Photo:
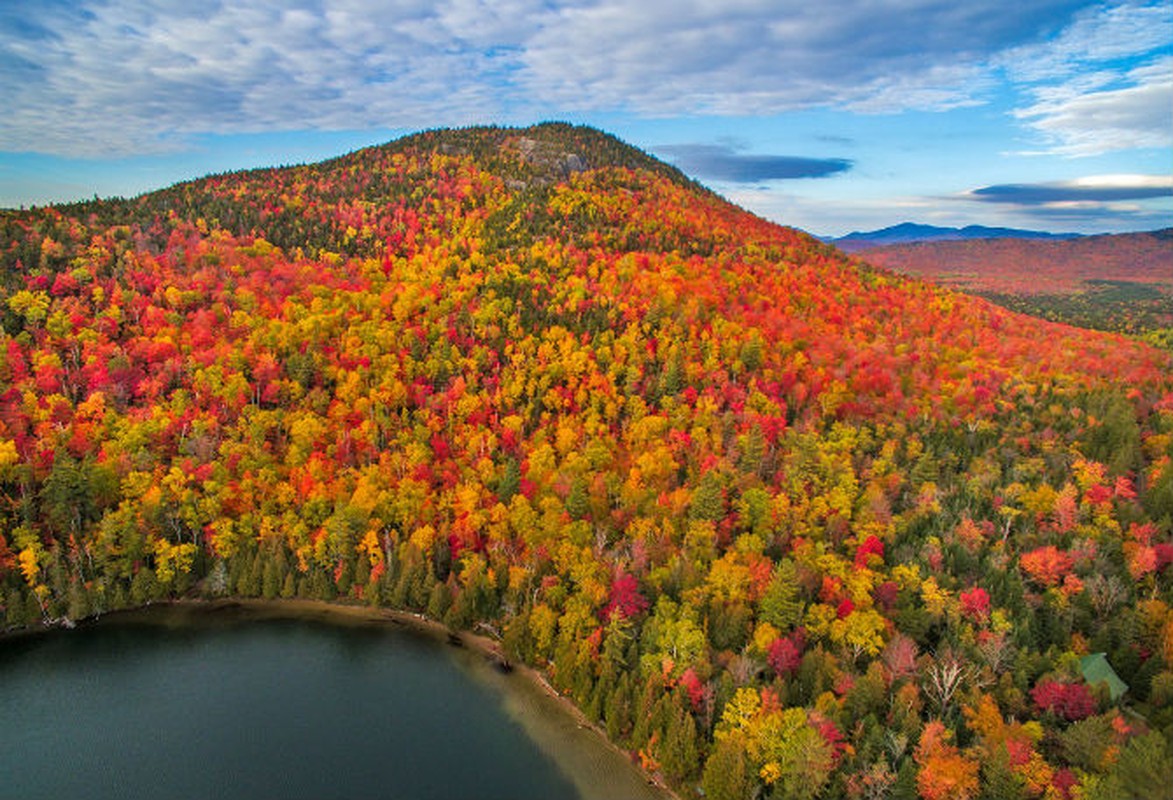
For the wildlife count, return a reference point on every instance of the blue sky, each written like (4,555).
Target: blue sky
(834,116)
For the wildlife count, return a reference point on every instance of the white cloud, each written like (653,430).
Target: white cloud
(1079,123)
(1101,34)
(1105,83)
(1126,181)
(765,58)
(105,78)
(130,77)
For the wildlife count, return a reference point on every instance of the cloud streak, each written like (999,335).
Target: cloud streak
(1098,202)
(723,163)
(1095,189)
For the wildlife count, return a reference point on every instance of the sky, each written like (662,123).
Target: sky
(831,116)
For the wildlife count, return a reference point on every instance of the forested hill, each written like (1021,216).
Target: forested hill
(785,524)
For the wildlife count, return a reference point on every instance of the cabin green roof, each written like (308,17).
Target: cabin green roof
(1096,669)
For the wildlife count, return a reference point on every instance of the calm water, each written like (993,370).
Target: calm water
(210,706)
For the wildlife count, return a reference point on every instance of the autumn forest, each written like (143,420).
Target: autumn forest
(784,524)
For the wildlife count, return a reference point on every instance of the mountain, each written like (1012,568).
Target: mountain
(908,232)
(778,521)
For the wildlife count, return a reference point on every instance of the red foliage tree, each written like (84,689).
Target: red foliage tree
(626,599)
(785,653)
(1046,565)
(1071,701)
(975,604)
(870,546)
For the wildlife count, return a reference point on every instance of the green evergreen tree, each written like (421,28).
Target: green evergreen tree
(999,781)
(781,605)
(648,712)
(1144,769)
(78,602)
(510,482)
(617,710)
(515,640)
(679,751)
(439,602)
(727,774)
(1115,439)
(708,501)
(75,492)
(34,612)
(142,587)
(272,580)
(362,571)
(578,500)
(752,450)
(728,625)
(14,610)
(904,787)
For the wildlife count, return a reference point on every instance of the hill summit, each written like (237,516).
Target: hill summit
(779,521)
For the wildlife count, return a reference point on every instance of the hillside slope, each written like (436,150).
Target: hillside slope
(1119,282)
(778,520)
(1031,266)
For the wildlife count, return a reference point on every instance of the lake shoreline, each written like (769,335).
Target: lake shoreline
(485,648)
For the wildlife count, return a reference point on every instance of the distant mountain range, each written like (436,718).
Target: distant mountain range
(908,232)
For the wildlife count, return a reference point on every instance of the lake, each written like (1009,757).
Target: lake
(271,702)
